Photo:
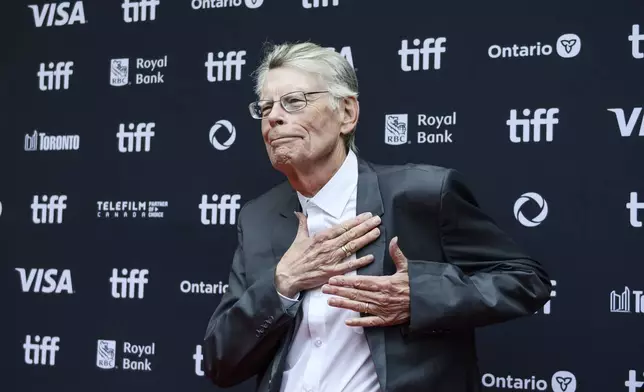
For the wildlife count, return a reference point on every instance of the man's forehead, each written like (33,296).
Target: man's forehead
(282,81)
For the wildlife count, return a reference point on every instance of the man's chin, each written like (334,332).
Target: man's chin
(282,156)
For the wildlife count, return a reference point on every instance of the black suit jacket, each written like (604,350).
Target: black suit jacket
(464,272)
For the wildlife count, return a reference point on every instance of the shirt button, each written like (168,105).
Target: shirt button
(318,342)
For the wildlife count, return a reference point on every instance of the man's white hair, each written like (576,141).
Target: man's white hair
(333,70)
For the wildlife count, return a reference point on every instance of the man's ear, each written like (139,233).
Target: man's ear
(350,113)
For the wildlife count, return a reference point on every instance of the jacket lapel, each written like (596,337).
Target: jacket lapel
(285,226)
(370,200)
(283,234)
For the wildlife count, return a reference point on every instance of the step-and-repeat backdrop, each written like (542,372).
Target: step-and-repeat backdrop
(127,151)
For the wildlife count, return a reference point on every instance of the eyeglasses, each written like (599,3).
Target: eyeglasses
(291,102)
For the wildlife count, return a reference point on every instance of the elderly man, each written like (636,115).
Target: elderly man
(352,276)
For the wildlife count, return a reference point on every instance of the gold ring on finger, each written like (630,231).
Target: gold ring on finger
(346,251)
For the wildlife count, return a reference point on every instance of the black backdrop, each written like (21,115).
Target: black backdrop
(66,254)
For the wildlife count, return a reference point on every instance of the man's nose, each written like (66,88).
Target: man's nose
(276,115)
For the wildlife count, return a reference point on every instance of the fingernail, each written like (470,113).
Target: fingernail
(367,214)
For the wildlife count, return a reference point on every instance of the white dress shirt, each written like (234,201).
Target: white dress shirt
(327,355)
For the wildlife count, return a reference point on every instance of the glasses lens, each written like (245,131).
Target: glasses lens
(260,109)
(294,101)
(254,111)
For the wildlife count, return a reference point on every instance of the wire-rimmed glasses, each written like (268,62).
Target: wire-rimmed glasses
(291,102)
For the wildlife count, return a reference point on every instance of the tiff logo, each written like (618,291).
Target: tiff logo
(50,210)
(431,47)
(632,384)
(138,11)
(42,351)
(635,39)
(633,206)
(221,70)
(223,210)
(32,281)
(58,14)
(529,129)
(621,302)
(131,140)
(55,76)
(130,285)
(626,128)
(319,3)
(198,357)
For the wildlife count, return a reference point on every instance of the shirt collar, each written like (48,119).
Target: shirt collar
(335,194)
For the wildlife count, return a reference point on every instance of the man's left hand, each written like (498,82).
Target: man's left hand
(385,299)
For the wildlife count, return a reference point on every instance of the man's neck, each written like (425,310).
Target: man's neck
(309,180)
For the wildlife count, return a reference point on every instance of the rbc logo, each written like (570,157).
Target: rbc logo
(119,72)
(106,354)
(396,126)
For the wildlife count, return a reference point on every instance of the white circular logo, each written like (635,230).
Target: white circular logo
(254,3)
(231,138)
(0,208)
(568,45)
(563,381)
(537,199)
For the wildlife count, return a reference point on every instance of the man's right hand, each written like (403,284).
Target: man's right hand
(311,261)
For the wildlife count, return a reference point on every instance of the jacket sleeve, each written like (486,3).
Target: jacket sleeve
(244,331)
(484,278)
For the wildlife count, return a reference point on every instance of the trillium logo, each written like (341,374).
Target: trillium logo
(563,381)
(253,3)
(535,197)
(568,45)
